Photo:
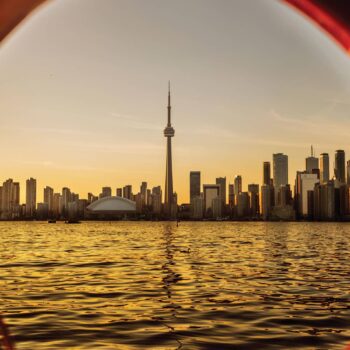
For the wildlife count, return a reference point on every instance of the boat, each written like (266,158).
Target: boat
(51,221)
(72,221)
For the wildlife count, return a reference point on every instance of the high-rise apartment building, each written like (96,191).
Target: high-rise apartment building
(156,200)
(30,197)
(9,205)
(57,205)
(48,198)
(66,198)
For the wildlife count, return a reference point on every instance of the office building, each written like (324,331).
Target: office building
(195,184)
(231,195)
(280,172)
(266,173)
(348,172)
(339,166)
(265,203)
(217,207)
(119,192)
(143,191)
(243,205)
(311,162)
(210,192)
(106,192)
(324,167)
(253,191)
(238,184)
(324,201)
(221,181)
(127,192)
(197,207)
(307,183)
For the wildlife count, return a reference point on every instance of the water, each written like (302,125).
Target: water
(139,285)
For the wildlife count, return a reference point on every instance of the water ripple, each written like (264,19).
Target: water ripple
(153,285)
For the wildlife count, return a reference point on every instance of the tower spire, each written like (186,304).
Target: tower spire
(169,105)
(169,132)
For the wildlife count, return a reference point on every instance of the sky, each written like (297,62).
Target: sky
(83,92)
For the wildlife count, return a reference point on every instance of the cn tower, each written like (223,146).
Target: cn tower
(169,132)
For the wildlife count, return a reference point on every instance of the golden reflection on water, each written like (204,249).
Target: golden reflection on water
(137,285)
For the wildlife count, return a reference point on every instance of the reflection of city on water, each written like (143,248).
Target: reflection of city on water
(170,278)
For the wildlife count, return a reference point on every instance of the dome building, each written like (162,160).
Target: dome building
(112,206)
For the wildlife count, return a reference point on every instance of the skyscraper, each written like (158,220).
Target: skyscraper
(308,182)
(324,167)
(9,199)
(127,192)
(238,185)
(143,191)
(169,132)
(267,173)
(106,192)
(280,172)
(253,191)
(311,162)
(221,181)
(30,197)
(210,193)
(265,201)
(339,165)
(195,184)
(48,198)
(348,172)
(231,195)
(66,198)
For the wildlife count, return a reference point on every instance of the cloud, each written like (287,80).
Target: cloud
(132,122)
(43,130)
(52,165)
(316,126)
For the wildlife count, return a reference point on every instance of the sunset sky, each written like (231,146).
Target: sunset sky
(83,92)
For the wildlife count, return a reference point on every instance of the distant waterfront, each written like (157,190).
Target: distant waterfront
(147,285)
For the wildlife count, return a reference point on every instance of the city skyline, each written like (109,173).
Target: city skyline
(317,194)
(231,178)
(71,121)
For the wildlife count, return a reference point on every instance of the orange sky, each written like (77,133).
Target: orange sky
(83,92)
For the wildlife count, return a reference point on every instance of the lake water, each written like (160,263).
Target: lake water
(147,285)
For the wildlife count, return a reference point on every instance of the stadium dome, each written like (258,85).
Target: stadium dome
(112,205)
